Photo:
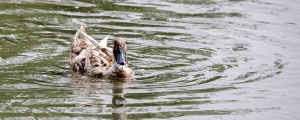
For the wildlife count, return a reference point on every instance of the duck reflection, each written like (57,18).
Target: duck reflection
(86,86)
(118,101)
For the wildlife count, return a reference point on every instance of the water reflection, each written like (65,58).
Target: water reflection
(97,88)
(118,101)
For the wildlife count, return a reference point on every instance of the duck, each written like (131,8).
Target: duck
(88,57)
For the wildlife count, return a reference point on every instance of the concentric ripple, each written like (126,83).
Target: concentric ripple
(192,59)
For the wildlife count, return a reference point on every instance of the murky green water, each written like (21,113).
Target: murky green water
(193,59)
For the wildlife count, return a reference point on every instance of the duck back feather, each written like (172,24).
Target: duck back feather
(96,59)
(88,56)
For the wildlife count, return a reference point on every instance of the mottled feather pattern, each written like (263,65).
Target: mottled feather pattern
(90,58)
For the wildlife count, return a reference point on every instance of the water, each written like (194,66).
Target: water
(193,59)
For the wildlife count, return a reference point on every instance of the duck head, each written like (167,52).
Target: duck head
(120,50)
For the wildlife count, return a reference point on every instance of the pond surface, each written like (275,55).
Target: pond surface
(193,59)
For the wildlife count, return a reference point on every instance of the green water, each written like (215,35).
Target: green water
(192,59)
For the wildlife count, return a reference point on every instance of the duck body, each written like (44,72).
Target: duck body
(91,58)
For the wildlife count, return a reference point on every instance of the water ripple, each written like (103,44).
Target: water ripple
(191,59)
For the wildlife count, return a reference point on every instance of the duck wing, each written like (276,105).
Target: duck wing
(88,56)
(103,42)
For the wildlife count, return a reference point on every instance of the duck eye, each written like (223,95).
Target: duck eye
(96,65)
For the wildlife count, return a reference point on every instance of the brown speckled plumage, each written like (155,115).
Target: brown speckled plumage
(90,58)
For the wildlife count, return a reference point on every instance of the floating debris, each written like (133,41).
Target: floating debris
(169,19)
(213,9)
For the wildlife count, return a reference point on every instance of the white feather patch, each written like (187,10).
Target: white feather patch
(103,42)
(118,66)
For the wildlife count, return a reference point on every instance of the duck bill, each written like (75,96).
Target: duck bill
(121,57)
